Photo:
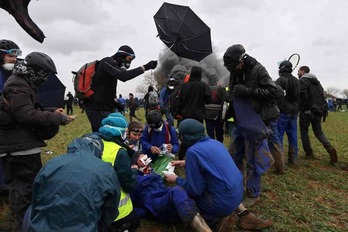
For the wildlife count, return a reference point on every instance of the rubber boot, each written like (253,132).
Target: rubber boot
(199,225)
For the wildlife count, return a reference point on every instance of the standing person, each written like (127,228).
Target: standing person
(312,103)
(122,102)
(193,96)
(250,80)
(164,100)
(67,178)
(212,179)
(133,106)
(69,104)
(9,51)
(288,106)
(20,140)
(108,71)
(146,99)
(213,111)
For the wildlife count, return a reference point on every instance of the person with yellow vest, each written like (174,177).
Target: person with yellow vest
(120,156)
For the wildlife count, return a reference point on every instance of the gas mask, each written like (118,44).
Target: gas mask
(8,66)
(125,64)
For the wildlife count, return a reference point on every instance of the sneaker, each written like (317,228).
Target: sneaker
(252,222)
(333,155)
(250,201)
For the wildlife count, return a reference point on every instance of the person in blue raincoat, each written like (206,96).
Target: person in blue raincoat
(156,135)
(76,191)
(213,180)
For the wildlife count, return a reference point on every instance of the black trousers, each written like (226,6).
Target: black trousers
(315,121)
(20,172)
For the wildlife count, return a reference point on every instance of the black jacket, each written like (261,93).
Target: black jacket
(105,82)
(289,104)
(192,99)
(265,91)
(312,94)
(21,114)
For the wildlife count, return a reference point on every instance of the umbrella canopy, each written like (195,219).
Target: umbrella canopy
(183,31)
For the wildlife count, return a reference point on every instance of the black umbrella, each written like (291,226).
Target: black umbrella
(183,31)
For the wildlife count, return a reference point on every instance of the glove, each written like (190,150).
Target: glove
(242,90)
(151,65)
(65,120)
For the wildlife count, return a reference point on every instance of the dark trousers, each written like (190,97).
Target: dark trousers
(69,109)
(129,223)
(20,172)
(215,129)
(315,121)
(95,118)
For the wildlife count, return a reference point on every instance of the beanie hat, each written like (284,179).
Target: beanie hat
(234,54)
(114,125)
(191,130)
(125,50)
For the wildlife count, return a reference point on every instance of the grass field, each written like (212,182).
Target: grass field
(310,197)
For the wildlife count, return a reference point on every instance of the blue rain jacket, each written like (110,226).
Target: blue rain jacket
(75,192)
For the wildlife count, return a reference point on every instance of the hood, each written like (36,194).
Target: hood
(91,143)
(311,77)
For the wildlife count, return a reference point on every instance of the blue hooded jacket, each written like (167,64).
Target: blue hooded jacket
(76,191)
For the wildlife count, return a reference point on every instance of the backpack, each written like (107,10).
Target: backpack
(173,101)
(83,80)
(153,101)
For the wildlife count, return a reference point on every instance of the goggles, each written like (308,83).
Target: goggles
(124,52)
(137,130)
(15,52)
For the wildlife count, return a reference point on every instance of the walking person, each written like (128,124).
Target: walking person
(164,100)
(69,104)
(312,104)
(133,106)
(289,107)
(24,125)
(108,71)
(249,80)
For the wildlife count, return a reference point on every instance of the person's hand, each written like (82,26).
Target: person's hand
(178,163)
(66,119)
(59,111)
(242,90)
(135,166)
(169,147)
(171,178)
(151,65)
(155,150)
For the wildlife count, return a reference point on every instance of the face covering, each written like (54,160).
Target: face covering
(8,66)
(159,128)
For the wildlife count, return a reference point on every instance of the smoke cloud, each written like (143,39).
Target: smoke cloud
(170,65)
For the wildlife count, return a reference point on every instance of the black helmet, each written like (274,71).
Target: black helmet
(41,60)
(285,67)
(7,45)
(234,55)
(154,118)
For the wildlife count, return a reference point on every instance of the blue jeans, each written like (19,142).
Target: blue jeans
(95,118)
(276,146)
(287,123)
(169,116)
(256,155)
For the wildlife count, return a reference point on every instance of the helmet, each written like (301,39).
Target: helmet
(234,55)
(125,50)
(9,47)
(285,67)
(41,60)
(154,118)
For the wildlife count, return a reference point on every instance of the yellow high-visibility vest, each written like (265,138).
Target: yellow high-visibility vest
(125,206)
(231,119)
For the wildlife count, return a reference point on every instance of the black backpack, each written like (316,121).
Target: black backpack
(173,101)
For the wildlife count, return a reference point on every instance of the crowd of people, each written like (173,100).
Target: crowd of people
(118,174)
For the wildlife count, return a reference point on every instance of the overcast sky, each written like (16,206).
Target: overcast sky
(79,31)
